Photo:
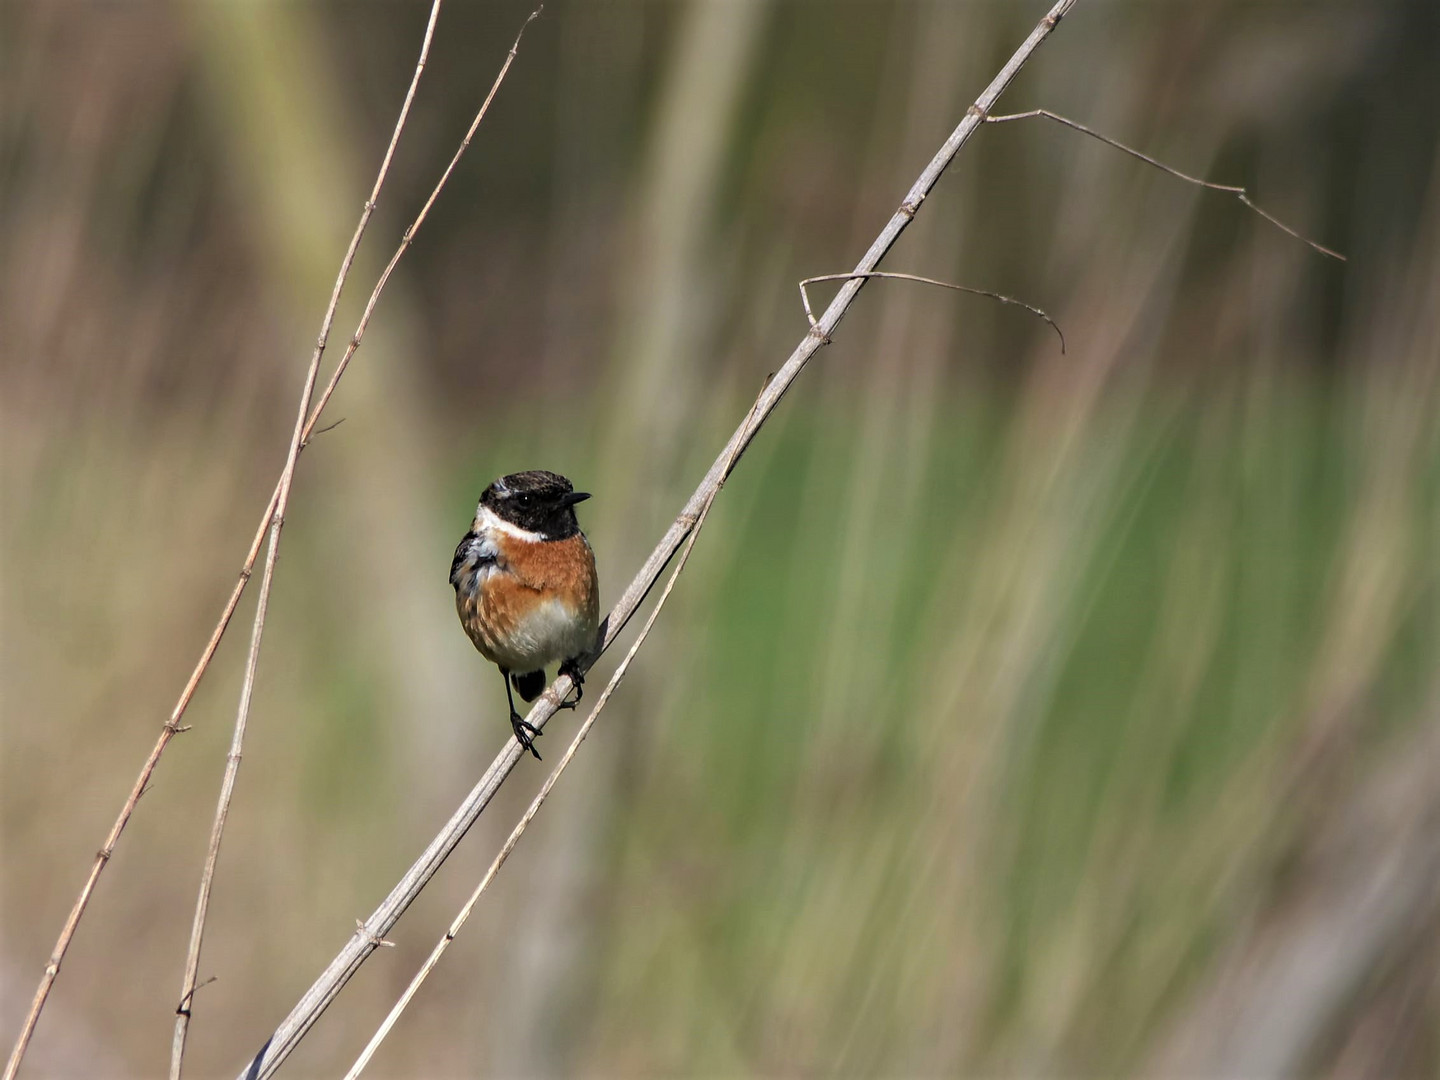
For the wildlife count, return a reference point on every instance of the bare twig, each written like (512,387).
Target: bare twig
(270,520)
(805,296)
(420,217)
(198,986)
(469,906)
(1231,189)
(303,423)
(355,952)
(168,731)
(377,942)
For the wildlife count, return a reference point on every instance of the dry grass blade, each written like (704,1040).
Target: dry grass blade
(1230,189)
(805,296)
(270,521)
(304,422)
(419,220)
(544,793)
(348,961)
(168,731)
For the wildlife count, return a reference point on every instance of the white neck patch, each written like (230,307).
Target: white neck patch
(486,520)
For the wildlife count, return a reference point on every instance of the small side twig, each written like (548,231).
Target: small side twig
(469,906)
(374,939)
(185,1002)
(1230,189)
(805,296)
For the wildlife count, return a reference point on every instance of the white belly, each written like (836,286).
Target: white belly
(549,634)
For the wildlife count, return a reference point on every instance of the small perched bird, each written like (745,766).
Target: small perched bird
(525,585)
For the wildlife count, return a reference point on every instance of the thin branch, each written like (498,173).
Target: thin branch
(361,944)
(469,906)
(1239,192)
(269,520)
(280,503)
(805,296)
(168,731)
(199,986)
(420,217)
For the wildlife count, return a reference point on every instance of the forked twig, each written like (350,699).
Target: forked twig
(805,296)
(424,213)
(359,947)
(304,424)
(1232,189)
(469,906)
(271,520)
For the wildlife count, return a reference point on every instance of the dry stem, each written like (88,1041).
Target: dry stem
(1239,192)
(272,520)
(276,516)
(362,943)
(469,906)
(805,295)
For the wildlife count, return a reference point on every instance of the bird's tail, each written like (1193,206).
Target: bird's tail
(530,685)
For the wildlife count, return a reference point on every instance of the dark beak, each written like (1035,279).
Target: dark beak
(574,497)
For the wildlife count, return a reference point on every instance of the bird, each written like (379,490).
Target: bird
(526,588)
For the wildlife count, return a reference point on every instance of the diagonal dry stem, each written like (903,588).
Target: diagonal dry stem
(469,906)
(362,943)
(271,521)
(805,295)
(1230,189)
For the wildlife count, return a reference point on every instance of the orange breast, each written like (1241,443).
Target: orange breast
(564,569)
(539,604)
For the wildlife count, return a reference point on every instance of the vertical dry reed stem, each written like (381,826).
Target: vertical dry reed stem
(367,937)
(270,520)
(276,517)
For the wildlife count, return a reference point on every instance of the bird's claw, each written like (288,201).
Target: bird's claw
(525,734)
(577,683)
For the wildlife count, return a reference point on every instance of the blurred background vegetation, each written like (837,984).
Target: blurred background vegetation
(1020,714)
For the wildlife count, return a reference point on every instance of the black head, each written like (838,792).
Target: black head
(542,502)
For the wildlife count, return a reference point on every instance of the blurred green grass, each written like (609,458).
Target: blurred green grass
(769,839)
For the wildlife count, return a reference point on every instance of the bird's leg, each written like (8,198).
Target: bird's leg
(571,667)
(524,733)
